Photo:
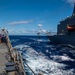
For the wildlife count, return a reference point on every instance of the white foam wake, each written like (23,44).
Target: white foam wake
(41,63)
(14,40)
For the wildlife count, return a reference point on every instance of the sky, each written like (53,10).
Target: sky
(24,17)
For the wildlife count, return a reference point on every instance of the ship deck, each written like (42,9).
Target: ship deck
(3,59)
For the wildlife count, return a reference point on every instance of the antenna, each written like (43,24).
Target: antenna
(74,10)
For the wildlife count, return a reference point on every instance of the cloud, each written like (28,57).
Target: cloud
(21,31)
(20,22)
(70,1)
(39,25)
(41,30)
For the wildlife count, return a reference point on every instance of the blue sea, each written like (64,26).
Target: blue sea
(43,56)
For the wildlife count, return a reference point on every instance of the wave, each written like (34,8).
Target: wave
(39,62)
(14,40)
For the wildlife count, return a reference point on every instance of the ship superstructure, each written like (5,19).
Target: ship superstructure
(65,31)
(67,26)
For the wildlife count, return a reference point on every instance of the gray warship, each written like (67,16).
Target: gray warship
(65,31)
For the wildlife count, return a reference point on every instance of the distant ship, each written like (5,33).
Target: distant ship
(65,31)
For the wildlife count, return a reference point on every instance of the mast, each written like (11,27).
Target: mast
(74,10)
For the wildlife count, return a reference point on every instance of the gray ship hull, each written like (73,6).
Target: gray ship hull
(63,39)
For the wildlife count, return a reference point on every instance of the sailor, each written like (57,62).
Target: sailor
(0,38)
(3,38)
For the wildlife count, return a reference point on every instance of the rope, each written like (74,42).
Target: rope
(30,68)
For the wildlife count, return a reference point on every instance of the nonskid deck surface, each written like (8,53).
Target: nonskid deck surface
(3,60)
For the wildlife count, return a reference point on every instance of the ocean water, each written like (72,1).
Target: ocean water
(43,56)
